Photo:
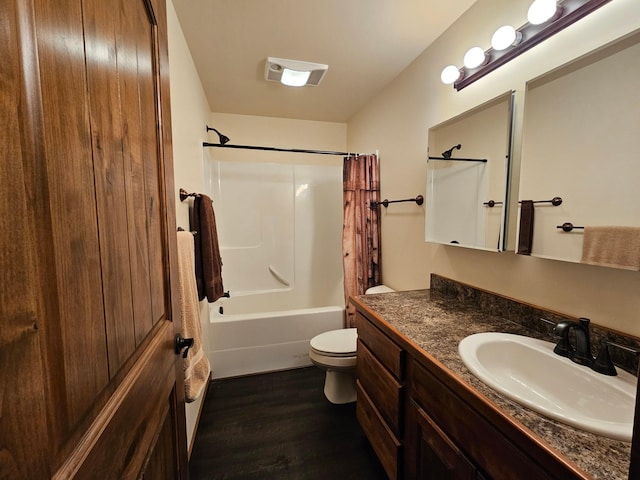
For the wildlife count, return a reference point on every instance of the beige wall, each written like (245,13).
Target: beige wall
(189,114)
(396,123)
(279,133)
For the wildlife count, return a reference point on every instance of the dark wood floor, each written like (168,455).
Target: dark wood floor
(280,426)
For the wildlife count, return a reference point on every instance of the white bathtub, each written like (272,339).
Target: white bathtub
(242,344)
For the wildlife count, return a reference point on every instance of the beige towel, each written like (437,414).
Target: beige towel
(611,246)
(196,365)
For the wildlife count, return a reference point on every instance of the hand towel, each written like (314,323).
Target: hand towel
(612,246)
(525,235)
(196,365)
(208,260)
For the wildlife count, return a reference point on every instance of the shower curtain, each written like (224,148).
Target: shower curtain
(361,228)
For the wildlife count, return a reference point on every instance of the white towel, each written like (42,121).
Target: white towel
(612,246)
(196,365)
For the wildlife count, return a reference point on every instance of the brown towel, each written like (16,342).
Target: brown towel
(196,365)
(208,260)
(611,246)
(525,236)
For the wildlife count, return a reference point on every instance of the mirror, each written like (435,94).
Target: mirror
(467,174)
(581,142)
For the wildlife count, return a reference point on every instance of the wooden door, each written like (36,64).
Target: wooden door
(90,386)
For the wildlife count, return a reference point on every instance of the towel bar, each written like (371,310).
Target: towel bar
(385,203)
(180,229)
(568,226)
(555,201)
(183,194)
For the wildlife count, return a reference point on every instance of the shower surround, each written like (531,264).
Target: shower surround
(280,234)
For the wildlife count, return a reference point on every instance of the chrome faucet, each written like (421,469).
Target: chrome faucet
(581,353)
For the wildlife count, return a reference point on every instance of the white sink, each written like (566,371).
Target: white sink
(527,371)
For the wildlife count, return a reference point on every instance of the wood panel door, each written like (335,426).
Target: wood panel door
(90,386)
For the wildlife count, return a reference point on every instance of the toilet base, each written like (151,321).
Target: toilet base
(340,386)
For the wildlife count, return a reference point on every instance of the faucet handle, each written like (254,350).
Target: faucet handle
(603,363)
(563,347)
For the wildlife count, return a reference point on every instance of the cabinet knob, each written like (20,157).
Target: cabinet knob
(183,344)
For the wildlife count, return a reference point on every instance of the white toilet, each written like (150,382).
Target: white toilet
(335,352)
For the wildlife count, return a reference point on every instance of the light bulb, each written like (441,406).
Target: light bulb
(450,74)
(294,78)
(505,37)
(474,57)
(541,10)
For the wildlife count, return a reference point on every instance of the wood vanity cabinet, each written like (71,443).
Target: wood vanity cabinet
(447,438)
(432,454)
(423,423)
(380,377)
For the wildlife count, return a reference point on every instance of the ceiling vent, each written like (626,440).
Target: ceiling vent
(294,73)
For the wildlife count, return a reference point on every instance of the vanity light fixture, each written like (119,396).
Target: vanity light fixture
(542,11)
(294,73)
(505,37)
(474,57)
(545,18)
(450,74)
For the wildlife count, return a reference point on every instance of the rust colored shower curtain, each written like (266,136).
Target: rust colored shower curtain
(361,228)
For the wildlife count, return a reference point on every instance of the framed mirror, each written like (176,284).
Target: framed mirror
(467,177)
(581,142)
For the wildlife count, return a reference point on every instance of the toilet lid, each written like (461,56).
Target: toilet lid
(339,342)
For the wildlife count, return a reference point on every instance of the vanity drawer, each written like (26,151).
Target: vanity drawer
(387,447)
(389,354)
(485,444)
(383,389)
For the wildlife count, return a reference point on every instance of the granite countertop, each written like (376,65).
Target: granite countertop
(437,323)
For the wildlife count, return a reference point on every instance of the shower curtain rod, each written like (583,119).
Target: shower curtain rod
(276,149)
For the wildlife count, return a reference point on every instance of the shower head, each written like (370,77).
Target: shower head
(222,138)
(448,153)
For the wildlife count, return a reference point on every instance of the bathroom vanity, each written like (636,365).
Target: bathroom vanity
(427,417)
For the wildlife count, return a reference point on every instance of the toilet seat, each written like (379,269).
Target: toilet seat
(335,343)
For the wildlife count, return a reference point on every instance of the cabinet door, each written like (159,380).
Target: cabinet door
(436,456)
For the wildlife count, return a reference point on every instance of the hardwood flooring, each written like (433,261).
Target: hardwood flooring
(280,426)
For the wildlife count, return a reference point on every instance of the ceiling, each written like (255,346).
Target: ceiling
(366,44)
